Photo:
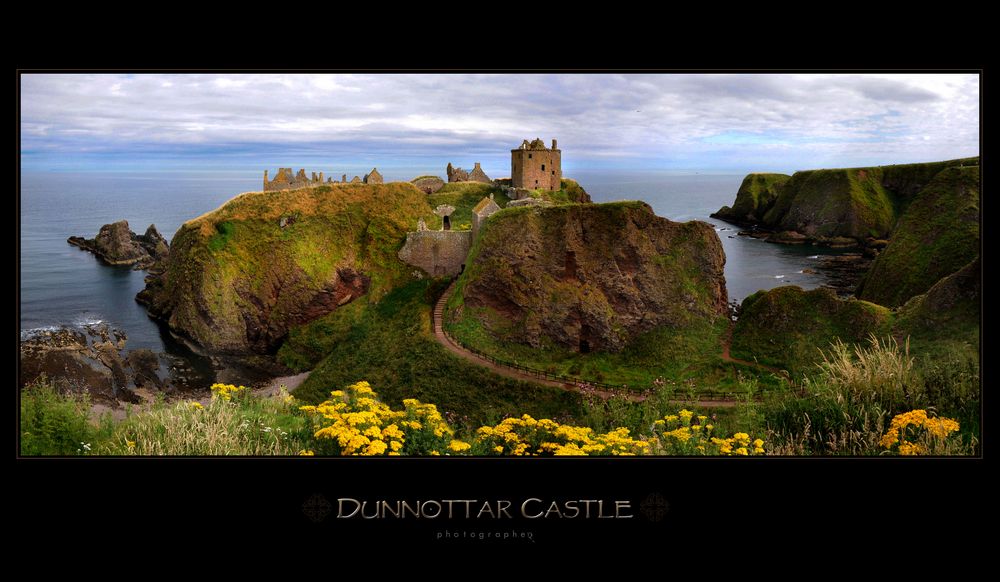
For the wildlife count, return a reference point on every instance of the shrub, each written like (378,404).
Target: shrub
(54,423)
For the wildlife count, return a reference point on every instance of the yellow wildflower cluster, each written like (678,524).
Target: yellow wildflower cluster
(909,424)
(195,405)
(355,422)
(226,391)
(675,434)
(528,436)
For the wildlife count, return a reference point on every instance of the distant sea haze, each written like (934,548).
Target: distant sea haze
(62,285)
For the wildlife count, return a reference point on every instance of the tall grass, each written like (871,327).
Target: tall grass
(848,405)
(243,426)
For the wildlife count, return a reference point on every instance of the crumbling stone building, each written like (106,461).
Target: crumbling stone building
(286,181)
(459,175)
(533,165)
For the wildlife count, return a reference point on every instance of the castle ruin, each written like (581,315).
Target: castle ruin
(459,175)
(286,181)
(535,166)
(444,252)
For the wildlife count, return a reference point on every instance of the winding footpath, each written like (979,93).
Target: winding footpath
(449,344)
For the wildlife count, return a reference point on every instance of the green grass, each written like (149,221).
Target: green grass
(392,347)
(756,195)
(52,423)
(938,234)
(688,358)
(463,196)
(786,327)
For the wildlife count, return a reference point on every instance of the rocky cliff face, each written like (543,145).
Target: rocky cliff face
(937,234)
(240,277)
(589,277)
(116,244)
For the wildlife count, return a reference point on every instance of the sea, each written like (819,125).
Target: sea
(61,285)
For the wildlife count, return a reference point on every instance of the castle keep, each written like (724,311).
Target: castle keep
(535,166)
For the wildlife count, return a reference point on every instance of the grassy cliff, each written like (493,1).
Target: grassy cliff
(787,327)
(463,196)
(755,197)
(240,277)
(937,235)
(605,292)
(854,203)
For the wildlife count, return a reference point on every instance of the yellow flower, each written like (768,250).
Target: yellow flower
(709,427)
(702,418)
(671,418)
(130,444)
(742,451)
(306,453)
(435,454)
(459,446)
(758,443)
(685,414)
(498,449)
(196,405)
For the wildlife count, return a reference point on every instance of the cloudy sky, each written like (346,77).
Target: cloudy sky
(723,123)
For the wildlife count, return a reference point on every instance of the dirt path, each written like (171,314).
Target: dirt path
(445,340)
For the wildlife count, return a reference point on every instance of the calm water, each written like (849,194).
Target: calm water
(62,285)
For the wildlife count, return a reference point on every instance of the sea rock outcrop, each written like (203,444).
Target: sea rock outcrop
(589,277)
(116,244)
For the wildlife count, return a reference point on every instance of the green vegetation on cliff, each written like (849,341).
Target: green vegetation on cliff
(937,235)
(787,327)
(755,197)
(829,203)
(240,277)
(857,203)
(947,318)
(391,345)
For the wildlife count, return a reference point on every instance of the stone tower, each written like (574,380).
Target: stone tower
(533,165)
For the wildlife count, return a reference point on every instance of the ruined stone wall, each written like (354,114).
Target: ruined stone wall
(536,168)
(437,252)
(429,184)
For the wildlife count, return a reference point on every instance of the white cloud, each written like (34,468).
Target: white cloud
(884,118)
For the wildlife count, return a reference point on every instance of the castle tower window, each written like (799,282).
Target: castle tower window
(447,223)
(529,156)
(553,172)
(543,167)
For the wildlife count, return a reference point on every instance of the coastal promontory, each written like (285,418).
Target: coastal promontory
(240,277)
(589,277)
